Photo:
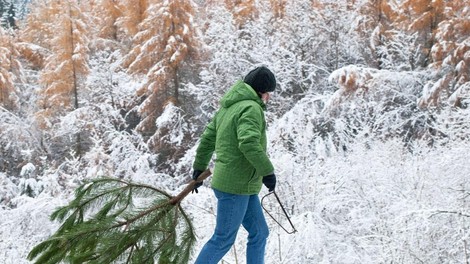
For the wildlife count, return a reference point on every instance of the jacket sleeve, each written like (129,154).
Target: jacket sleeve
(206,147)
(249,131)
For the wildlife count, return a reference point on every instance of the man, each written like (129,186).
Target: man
(237,134)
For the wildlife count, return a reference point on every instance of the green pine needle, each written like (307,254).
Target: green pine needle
(114,221)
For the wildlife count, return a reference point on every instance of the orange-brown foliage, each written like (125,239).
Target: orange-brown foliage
(374,28)
(68,63)
(34,54)
(423,22)
(243,11)
(167,42)
(133,13)
(9,65)
(160,50)
(452,51)
(279,8)
(106,13)
(6,85)
(36,29)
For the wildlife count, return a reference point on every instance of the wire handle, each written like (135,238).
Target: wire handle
(283,210)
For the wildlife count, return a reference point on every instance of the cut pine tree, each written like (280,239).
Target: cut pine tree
(116,221)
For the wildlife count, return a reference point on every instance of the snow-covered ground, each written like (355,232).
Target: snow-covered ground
(377,204)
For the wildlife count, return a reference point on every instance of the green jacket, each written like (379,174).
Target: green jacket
(237,134)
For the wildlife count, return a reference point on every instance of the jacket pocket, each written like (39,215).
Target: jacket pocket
(252,177)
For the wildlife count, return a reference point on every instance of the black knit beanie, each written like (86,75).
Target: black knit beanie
(261,79)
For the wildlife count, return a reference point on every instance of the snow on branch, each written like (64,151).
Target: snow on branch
(350,80)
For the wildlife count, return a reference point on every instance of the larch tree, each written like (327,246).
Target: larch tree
(36,29)
(279,8)
(243,11)
(133,13)
(140,23)
(107,13)
(67,66)
(373,27)
(9,65)
(110,14)
(421,17)
(451,58)
(95,16)
(165,43)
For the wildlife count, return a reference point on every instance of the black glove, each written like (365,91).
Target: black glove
(270,182)
(196,174)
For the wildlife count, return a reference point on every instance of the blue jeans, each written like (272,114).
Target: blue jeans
(232,211)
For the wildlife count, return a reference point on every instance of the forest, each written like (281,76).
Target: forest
(368,127)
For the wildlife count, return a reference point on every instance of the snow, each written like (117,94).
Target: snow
(359,215)
(25,226)
(172,119)
(344,212)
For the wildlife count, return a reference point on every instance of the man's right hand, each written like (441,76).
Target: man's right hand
(196,174)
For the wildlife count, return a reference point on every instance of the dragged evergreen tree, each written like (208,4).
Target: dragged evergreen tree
(111,220)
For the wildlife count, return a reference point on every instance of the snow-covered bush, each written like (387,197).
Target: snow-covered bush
(8,191)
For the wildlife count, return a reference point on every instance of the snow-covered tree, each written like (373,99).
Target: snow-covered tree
(161,51)
(333,22)
(105,14)
(303,59)
(68,63)
(2,11)
(8,14)
(243,11)
(373,26)
(421,17)
(279,8)
(36,29)
(450,56)
(8,190)
(65,69)
(133,13)
(20,143)
(10,70)
(110,14)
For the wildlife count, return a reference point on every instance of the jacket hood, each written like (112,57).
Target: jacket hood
(240,91)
